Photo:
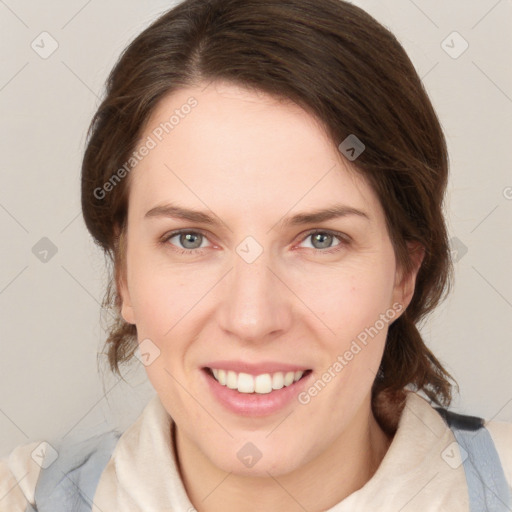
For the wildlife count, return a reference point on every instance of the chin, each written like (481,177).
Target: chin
(247,459)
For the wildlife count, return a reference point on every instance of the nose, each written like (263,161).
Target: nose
(256,305)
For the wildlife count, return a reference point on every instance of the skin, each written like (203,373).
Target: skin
(252,160)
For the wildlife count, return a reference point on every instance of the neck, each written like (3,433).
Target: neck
(336,473)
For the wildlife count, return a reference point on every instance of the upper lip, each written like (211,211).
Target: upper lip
(256,368)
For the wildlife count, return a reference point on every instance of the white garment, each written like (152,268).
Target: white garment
(142,474)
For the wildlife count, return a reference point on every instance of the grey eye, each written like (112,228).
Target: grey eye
(186,240)
(189,240)
(322,240)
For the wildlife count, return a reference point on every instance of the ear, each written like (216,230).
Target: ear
(121,277)
(126,305)
(405,284)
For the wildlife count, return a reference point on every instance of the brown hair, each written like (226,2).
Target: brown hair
(340,65)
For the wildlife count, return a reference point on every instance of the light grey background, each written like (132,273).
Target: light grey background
(50,329)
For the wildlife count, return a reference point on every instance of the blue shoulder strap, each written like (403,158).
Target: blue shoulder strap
(69,482)
(487,486)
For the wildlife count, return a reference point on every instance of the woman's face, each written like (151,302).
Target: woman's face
(251,287)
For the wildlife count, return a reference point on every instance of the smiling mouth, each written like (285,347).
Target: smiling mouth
(263,383)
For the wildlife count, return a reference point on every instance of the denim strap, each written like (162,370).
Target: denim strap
(487,486)
(68,484)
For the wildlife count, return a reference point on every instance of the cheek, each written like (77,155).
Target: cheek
(162,299)
(161,295)
(351,298)
(153,306)
(354,309)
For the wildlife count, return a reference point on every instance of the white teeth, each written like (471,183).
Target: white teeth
(262,384)
(277,380)
(245,383)
(288,378)
(232,380)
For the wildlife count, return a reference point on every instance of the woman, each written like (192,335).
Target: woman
(268,178)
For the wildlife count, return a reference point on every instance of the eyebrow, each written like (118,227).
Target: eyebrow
(311,217)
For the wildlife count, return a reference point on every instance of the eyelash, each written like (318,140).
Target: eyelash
(343,239)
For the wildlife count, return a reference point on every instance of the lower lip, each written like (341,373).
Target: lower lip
(255,404)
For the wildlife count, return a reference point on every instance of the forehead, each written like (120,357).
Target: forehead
(232,147)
